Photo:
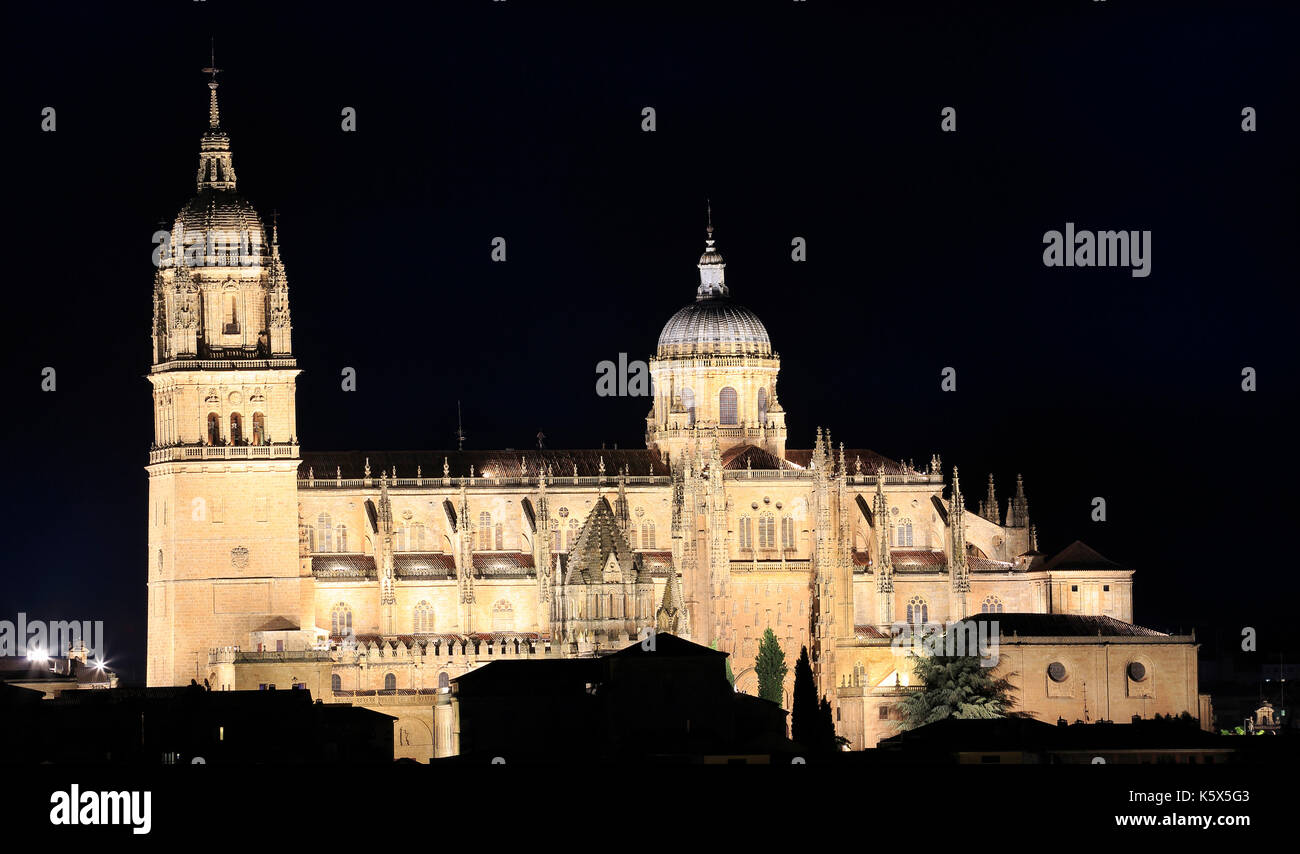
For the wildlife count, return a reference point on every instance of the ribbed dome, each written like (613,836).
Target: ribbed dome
(714,326)
(229,217)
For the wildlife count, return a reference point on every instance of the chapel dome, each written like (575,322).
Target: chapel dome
(224,211)
(714,326)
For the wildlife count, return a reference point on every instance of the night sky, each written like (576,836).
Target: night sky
(810,119)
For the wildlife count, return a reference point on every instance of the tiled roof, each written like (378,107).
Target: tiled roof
(861,558)
(870,460)
(503,560)
(522,463)
(413,641)
(979,564)
(917,560)
(343,566)
(424,565)
(659,564)
(277,624)
(742,457)
(1065,625)
(600,537)
(869,633)
(1079,557)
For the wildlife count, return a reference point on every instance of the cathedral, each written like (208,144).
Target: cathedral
(378,577)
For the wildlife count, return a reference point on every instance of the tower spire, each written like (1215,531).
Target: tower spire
(214,116)
(216,171)
(989,506)
(713,277)
(958,566)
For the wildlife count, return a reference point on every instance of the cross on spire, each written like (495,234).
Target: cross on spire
(212,59)
(214,117)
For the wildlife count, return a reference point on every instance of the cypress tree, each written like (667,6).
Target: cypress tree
(770,667)
(803,715)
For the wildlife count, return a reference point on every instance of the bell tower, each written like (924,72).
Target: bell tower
(223,510)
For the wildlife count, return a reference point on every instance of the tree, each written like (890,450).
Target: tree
(731,677)
(770,667)
(827,740)
(812,726)
(956,686)
(803,712)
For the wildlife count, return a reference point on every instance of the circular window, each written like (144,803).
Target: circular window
(1137,671)
(753,505)
(1056,671)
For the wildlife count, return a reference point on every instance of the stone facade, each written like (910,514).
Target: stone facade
(375,577)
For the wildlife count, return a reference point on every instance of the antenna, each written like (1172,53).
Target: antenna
(460,431)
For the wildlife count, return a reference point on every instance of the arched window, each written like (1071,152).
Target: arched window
(647,534)
(746,534)
(236,428)
(423,618)
(417,537)
(766,531)
(555,536)
(341,621)
(342,533)
(727,407)
(992,605)
(231,318)
(259,428)
(788,541)
(571,535)
(214,428)
(444,681)
(503,616)
(336,682)
(326,532)
(311,537)
(688,403)
(500,538)
(390,681)
(903,531)
(762,406)
(631,536)
(917,611)
(484,531)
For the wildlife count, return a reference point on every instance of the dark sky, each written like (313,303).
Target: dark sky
(813,119)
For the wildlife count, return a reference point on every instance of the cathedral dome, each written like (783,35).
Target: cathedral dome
(226,214)
(218,217)
(714,326)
